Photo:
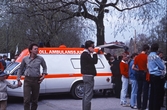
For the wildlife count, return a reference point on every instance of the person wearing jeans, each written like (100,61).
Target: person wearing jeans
(88,61)
(132,77)
(140,65)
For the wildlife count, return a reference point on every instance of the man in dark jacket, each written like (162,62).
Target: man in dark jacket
(116,78)
(88,61)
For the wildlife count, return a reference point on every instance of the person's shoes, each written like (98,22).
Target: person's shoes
(133,107)
(126,105)
(121,103)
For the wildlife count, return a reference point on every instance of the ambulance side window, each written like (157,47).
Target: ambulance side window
(99,64)
(76,63)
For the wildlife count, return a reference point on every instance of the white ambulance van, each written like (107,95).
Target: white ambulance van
(64,75)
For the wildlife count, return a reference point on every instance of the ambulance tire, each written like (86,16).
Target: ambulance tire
(77,90)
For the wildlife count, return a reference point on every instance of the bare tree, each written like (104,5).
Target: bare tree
(159,34)
(21,26)
(43,26)
(95,10)
(136,44)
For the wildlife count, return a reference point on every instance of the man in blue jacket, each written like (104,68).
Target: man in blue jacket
(133,80)
(155,67)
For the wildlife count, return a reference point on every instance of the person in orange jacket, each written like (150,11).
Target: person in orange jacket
(1,67)
(124,68)
(142,77)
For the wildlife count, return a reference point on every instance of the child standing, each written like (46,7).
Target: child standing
(3,90)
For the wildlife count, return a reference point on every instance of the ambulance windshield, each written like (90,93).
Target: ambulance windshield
(11,67)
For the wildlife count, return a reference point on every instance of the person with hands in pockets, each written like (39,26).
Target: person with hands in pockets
(31,67)
(88,61)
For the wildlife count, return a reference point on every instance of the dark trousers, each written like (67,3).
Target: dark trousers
(117,86)
(155,92)
(163,91)
(143,87)
(31,93)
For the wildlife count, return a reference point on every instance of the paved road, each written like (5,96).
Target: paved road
(66,102)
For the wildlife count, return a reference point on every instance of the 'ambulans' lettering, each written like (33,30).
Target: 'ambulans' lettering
(60,52)
(42,52)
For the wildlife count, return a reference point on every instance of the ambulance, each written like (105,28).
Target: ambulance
(64,74)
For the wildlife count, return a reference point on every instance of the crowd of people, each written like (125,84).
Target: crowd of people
(144,73)
(7,61)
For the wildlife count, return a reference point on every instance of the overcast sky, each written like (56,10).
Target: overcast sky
(112,32)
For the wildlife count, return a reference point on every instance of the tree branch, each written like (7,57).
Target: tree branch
(128,8)
(77,14)
(94,3)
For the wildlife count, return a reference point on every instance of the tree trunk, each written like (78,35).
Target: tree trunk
(100,32)
(100,26)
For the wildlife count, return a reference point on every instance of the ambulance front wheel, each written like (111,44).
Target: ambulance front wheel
(77,90)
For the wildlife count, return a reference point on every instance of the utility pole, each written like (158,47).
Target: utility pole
(7,40)
(166,56)
(166,33)
(135,50)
